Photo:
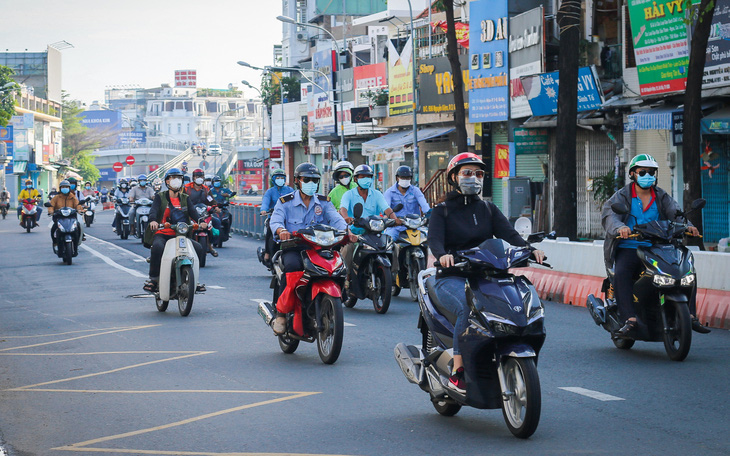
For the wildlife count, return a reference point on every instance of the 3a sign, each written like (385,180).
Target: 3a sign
(118,167)
(129,160)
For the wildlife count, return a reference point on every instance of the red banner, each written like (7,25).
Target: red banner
(501,161)
(462,31)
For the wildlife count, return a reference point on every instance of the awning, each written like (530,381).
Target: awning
(433,132)
(653,119)
(717,123)
(19,166)
(400,139)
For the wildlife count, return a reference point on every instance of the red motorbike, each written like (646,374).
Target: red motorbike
(318,313)
(28,212)
(203,236)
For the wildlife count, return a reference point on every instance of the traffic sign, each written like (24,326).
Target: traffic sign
(118,167)
(204,164)
(130,160)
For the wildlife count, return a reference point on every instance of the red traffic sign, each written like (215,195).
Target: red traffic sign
(118,167)
(130,160)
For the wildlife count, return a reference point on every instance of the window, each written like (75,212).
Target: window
(179,128)
(169,129)
(188,126)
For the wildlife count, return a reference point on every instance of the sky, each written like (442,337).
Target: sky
(138,42)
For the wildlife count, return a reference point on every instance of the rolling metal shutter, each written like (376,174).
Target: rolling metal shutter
(716,191)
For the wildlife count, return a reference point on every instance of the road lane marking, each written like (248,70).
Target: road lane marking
(65,333)
(113,263)
(114,246)
(590,393)
(215,287)
(106,331)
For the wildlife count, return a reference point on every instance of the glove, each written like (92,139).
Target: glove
(215,231)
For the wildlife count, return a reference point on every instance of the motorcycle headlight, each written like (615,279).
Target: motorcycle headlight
(144,218)
(687,280)
(74,225)
(323,238)
(60,227)
(377,225)
(182,228)
(499,325)
(366,246)
(413,223)
(65,211)
(664,280)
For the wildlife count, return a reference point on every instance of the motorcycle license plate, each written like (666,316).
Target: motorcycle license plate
(181,243)
(89,213)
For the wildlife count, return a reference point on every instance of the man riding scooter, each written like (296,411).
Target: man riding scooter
(199,193)
(271,197)
(29,193)
(66,198)
(342,174)
(121,192)
(221,195)
(142,190)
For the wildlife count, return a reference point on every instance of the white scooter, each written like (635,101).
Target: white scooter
(179,271)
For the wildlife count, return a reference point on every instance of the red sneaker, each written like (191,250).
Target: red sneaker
(457,382)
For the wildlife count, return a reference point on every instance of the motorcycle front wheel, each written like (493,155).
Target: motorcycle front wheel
(521,410)
(413,271)
(678,339)
(383,289)
(186,290)
(203,241)
(67,255)
(28,225)
(161,305)
(125,231)
(329,339)
(288,345)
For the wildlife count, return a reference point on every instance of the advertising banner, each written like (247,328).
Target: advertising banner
(323,61)
(6,136)
(21,144)
(531,141)
(186,78)
(542,91)
(292,131)
(132,138)
(462,31)
(369,77)
(323,110)
(488,61)
(501,161)
(107,174)
(660,45)
(526,49)
(400,79)
(717,57)
(436,84)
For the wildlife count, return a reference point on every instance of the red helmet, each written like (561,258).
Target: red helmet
(459,160)
(198,172)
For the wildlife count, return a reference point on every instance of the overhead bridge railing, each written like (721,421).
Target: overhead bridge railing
(174,163)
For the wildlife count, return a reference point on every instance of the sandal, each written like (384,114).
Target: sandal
(150,286)
(698,327)
(200,288)
(628,331)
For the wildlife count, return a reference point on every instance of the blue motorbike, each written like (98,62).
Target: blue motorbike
(500,347)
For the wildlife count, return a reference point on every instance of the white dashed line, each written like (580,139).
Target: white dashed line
(113,263)
(592,394)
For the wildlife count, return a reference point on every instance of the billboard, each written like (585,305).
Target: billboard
(436,84)
(488,61)
(186,78)
(369,77)
(6,136)
(717,57)
(542,91)
(526,49)
(323,110)
(323,61)
(400,79)
(660,45)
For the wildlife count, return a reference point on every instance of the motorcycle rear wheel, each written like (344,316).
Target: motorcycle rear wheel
(288,345)
(161,305)
(186,291)
(445,407)
(678,339)
(203,241)
(413,271)
(521,410)
(383,289)
(624,344)
(349,300)
(329,339)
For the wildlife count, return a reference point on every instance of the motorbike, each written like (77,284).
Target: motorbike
(67,234)
(89,207)
(178,271)
(203,235)
(142,216)
(225,217)
(500,347)
(370,275)
(123,211)
(4,208)
(28,214)
(662,291)
(412,254)
(261,251)
(319,316)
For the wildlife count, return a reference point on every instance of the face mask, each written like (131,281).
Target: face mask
(28,187)
(65,190)
(216,184)
(199,181)
(123,186)
(142,183)
(646,181)
(208,183)
(365,182)
(175,184)
(470,185)
(346,180)
(280,182)
(309,188)
(405,183)
(88,187)
(73,186)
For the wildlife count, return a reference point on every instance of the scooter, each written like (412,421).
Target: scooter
(67,235)
(225,217)
(28,212)
(4,208)
(662,291)
(412,254)
(142,216)
(123,211)
(203,235)
(319,317)
(89,207)
(500,347)
(370,275)
(261,251)
(178,271)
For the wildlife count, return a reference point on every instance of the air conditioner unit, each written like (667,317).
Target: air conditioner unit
(302,36)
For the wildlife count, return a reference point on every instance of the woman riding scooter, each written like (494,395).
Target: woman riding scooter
(471,221)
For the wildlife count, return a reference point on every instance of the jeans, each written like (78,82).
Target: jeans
(452,293)
(158,247)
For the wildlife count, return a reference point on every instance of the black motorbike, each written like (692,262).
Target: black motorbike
(370,275)
(225,217)
(123,211)
(268,238)
(4,208)
(67,233)
(89,209)
(143,206)
(500,347)
(661,292)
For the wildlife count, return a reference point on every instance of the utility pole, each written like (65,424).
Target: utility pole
(453,55)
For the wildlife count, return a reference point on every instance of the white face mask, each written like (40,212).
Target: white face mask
(199,181)
(405,183)
(175,184)
(345,180)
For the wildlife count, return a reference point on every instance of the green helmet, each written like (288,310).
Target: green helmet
(277,173)
(643,161)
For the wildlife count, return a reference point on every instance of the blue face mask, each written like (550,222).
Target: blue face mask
(309,188)
(28,187)
(216,184)
(280,182)
(365,182)
(646,181)
(65,190)
(73,186)
(142,183)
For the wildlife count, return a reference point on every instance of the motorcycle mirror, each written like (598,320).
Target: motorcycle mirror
(620,208)
(233,194)
(536,237)
(47,204)
(698,204)
(88,198)
(397,207)
(357,211)
(552,235)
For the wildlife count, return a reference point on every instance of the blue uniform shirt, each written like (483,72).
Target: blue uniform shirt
(412,201)
(291,213)
(375,204)
(272,195)
(641,215)
(220,194)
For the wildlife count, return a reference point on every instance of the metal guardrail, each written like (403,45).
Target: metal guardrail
(246,220)
(174,163)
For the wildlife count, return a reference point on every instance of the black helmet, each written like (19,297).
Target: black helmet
(364,170)
(404,171)
(173,172)
(307,170)
(217,179)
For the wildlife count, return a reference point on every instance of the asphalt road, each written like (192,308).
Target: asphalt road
(88,366)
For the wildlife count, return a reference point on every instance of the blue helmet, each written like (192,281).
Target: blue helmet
(173,172)
(141,177)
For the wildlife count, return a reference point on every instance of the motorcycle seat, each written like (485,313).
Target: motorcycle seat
(433,296)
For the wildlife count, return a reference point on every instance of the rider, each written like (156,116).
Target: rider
(29,193)
(295,211)
(173,206)
(342,175)
(647,203)
(157,185)
(461,222)
(5,197)
(66,198)
(75,189)
(209,180)
(273,194)
(138,192)
(88,190)
(121,192)
(104,194)
(199,193)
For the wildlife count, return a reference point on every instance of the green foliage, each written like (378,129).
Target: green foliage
(7,104)
(79,141)
(605,186)
(378,97)
(270,89)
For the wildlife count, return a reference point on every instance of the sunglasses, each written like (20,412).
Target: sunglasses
(306,180)
(469,173)
(643,172)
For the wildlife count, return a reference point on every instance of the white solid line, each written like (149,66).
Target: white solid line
(129,252)
(592,394)
(113,263)
(215,287)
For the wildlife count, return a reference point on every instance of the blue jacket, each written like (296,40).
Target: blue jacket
(220,194)
(272,195)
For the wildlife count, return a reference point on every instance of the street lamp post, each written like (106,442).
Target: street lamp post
(415,96)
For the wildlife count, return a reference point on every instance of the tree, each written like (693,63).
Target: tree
(7,103)
(270,89)
(563,160)
(452,53)
(693,109)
